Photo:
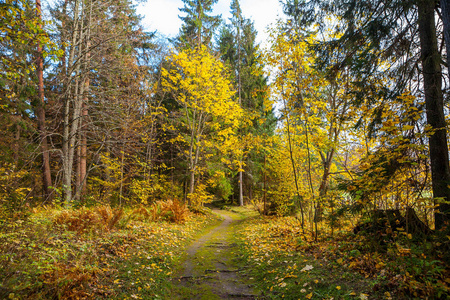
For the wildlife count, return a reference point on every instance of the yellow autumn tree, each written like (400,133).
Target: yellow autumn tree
(314,118)
(197,81)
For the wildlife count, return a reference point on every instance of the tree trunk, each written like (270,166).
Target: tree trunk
(323,188)
(17,145)
(83,130)
(122,170)
(265,185)
(445,9)
(191,185)
(241,194)
(40,114)
(440,171)
(291,155)
(73,102)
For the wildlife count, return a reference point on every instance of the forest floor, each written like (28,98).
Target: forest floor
(232,253)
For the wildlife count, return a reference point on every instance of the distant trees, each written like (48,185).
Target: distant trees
(100,40)
(239,51)
(105,112)
(114,128)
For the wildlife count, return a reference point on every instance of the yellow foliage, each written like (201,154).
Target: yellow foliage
(11,193)
(198,82)
(200,196)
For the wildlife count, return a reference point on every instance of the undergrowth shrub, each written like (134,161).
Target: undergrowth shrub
(199,197)
(101,218)
(71,281)
(173,211)
(141,213)
(170,210)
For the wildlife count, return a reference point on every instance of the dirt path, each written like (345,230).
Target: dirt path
(211,270)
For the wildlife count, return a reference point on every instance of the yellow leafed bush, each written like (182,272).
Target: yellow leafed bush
(200,196)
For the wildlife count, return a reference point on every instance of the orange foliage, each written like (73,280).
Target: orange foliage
(102,218)
(170,210)
(70,280)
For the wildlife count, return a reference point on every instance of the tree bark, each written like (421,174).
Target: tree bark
(17,144)
(83,126)
(241,194)
(445,9)
(440,171)
(327,158)
(73,101)
(291,155)
(40,114)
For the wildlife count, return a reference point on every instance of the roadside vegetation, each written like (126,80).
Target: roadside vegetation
(96,252)
(289,264)
(138,253)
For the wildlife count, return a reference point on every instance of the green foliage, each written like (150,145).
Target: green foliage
(198,27)
(220,185)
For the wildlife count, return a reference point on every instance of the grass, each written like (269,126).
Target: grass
(216,253)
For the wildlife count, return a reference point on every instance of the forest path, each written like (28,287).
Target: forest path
(211,270)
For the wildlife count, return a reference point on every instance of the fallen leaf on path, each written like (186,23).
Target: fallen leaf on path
(363,296)
(307,268)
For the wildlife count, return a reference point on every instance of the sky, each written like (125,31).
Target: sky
(162,15)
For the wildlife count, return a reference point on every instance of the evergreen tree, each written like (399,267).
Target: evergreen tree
(199,27)
(239,50)
(96,86)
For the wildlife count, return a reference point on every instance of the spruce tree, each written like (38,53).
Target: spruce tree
(239,50)
(199,26)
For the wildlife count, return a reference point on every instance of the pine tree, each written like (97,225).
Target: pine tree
(98,79)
